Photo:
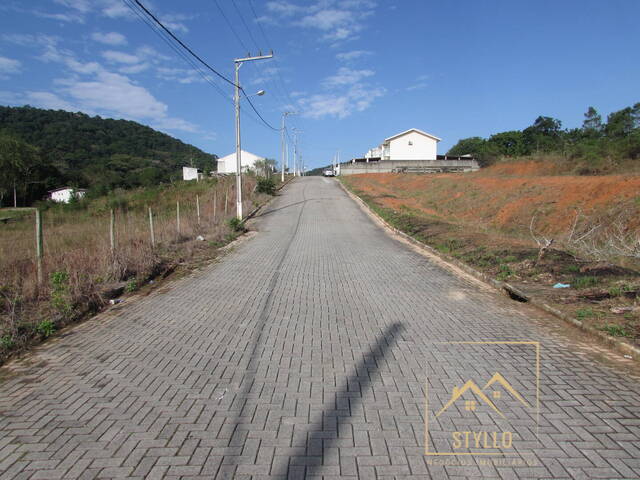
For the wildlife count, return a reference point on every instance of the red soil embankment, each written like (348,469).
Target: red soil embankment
(507,196)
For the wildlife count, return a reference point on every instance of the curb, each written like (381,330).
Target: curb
(503,287)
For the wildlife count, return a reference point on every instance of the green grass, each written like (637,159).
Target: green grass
(615,330)
(584,282)
(585,313)
(504,273)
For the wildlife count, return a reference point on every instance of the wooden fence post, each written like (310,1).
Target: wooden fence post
(215,201)
(178,217)
(39,246)
(112,231)
(198,208)
(153,235)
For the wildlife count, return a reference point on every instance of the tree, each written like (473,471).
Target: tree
(510,143)
(592,124)
(621,123)
(468,146)
(18,160)
(543,136)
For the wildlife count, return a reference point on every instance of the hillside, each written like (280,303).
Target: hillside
(95,152)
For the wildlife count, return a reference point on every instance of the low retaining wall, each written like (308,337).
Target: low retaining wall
(409,166)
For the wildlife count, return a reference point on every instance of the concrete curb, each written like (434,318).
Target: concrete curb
(503,287)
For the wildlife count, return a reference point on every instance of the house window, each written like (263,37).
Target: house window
(410,142)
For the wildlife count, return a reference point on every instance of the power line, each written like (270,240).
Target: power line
(266,39)
(230,25)
(179,52)
(182,44)
(256,66)
(188,49)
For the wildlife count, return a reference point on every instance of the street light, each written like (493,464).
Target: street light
(238,63)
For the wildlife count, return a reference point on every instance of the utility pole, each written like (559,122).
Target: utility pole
(238,63)
(296,166)
(282,144)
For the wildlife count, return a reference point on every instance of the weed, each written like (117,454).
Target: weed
(572,269)
(236,225)
(46,328)
(584,282)
(6,342)
(442,248)
(615,330)
(510,259)
(615,291)
(132,286)
(60,292)
(585,313)
(504,273)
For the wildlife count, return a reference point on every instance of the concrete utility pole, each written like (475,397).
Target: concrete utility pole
(238,63)
(296,166)
(283,165)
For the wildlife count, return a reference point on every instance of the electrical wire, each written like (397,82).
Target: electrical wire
(182,44)
(193,54)
(266,39)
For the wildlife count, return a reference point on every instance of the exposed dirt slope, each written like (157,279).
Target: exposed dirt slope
(506,196)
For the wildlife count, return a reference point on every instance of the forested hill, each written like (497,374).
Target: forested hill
(95,152)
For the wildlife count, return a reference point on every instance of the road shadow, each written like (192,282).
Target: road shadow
(324,431)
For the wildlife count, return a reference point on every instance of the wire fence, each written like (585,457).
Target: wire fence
(116,240)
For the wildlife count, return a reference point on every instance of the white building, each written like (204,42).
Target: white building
(228,163)
(65,194)
(191,173)
(412,144)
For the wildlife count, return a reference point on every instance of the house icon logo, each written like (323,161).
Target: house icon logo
(483,399)
(481,394)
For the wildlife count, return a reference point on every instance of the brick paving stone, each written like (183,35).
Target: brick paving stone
(303,353)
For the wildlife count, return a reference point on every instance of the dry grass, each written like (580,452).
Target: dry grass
(79,265)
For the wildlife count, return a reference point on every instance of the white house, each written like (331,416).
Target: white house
(412,144)
(228,163)
(191,173)
(65,194)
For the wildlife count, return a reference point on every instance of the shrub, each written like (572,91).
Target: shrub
(266,185)
(236,225)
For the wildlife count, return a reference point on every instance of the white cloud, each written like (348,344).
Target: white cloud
(110,38)
(171,123)
(352,55)
(116,94)
(8,66)
(347,93)
(82,6)
(420,83)
(180,75)
(283,8)
(113,56)
(133,69)
(338,20)
(347,76)
(174,21)
(48,100)
(117,9)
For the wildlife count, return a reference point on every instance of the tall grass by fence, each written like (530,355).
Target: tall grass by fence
(126,236)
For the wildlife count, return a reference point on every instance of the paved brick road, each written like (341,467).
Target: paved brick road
(305,353)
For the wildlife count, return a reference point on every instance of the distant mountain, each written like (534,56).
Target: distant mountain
(99,153)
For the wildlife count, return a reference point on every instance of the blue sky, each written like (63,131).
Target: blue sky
(356,71)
